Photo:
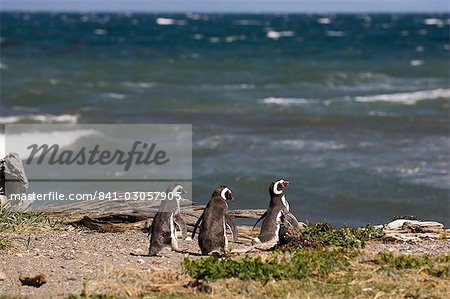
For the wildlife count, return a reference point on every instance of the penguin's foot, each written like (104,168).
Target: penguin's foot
(217,254)
(256,241)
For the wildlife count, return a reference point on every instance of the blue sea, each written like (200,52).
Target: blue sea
(353,110)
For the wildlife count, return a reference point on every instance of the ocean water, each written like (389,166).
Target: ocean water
(352,109)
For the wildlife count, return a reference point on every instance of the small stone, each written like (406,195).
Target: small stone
(140,261)
(34,281)
(69,255)
(2,276)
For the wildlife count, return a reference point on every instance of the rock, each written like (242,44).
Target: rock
(414,225)
(13,179)
(413,231)
(69,255)
(3,199)
(2,276)
(34,281)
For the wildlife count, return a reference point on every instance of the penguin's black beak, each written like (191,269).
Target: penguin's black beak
(286,183)
(230,197)
(183,191)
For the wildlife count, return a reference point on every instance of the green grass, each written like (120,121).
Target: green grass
(323,234)
(84,294)
(156,295)
(298,264)
(324,273)
(16,221)
(93,296)
(4,243)
(12,221)
(438,267)
(316,251)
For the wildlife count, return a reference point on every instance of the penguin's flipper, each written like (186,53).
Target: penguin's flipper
(291,220)
(181,225)
(260,218)
(232,226)
(200,219)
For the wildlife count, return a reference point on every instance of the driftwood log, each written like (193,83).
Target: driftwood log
(122,215)
(406,230)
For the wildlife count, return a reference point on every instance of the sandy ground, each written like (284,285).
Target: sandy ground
(69,257)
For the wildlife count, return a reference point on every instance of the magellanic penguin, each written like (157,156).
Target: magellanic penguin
(213,224)
(166,221)
(276,214)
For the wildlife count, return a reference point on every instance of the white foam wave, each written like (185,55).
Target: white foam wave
(324,21)
(416,62)
(243,86)
(20,142)
(139,84)
(113,95)
(215,141)
(168,22)
(234,38)
(434,22)
(408,98)
(44,118)
(193,16)
(333,33)
(286,101)
(214,40)
(247,22)
(272,34)
(100,31)
(311,144)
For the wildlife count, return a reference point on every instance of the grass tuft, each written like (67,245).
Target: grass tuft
(324,234)
(12,221)
(4,243)
(438,267)
(298,264)
(93,296)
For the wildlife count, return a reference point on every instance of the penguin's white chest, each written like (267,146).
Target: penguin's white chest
(278,224)
(173,232)
(225,233)
(285,202)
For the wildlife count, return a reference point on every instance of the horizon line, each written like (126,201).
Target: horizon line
(223,12)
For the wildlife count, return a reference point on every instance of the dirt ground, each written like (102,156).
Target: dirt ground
(69,257)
